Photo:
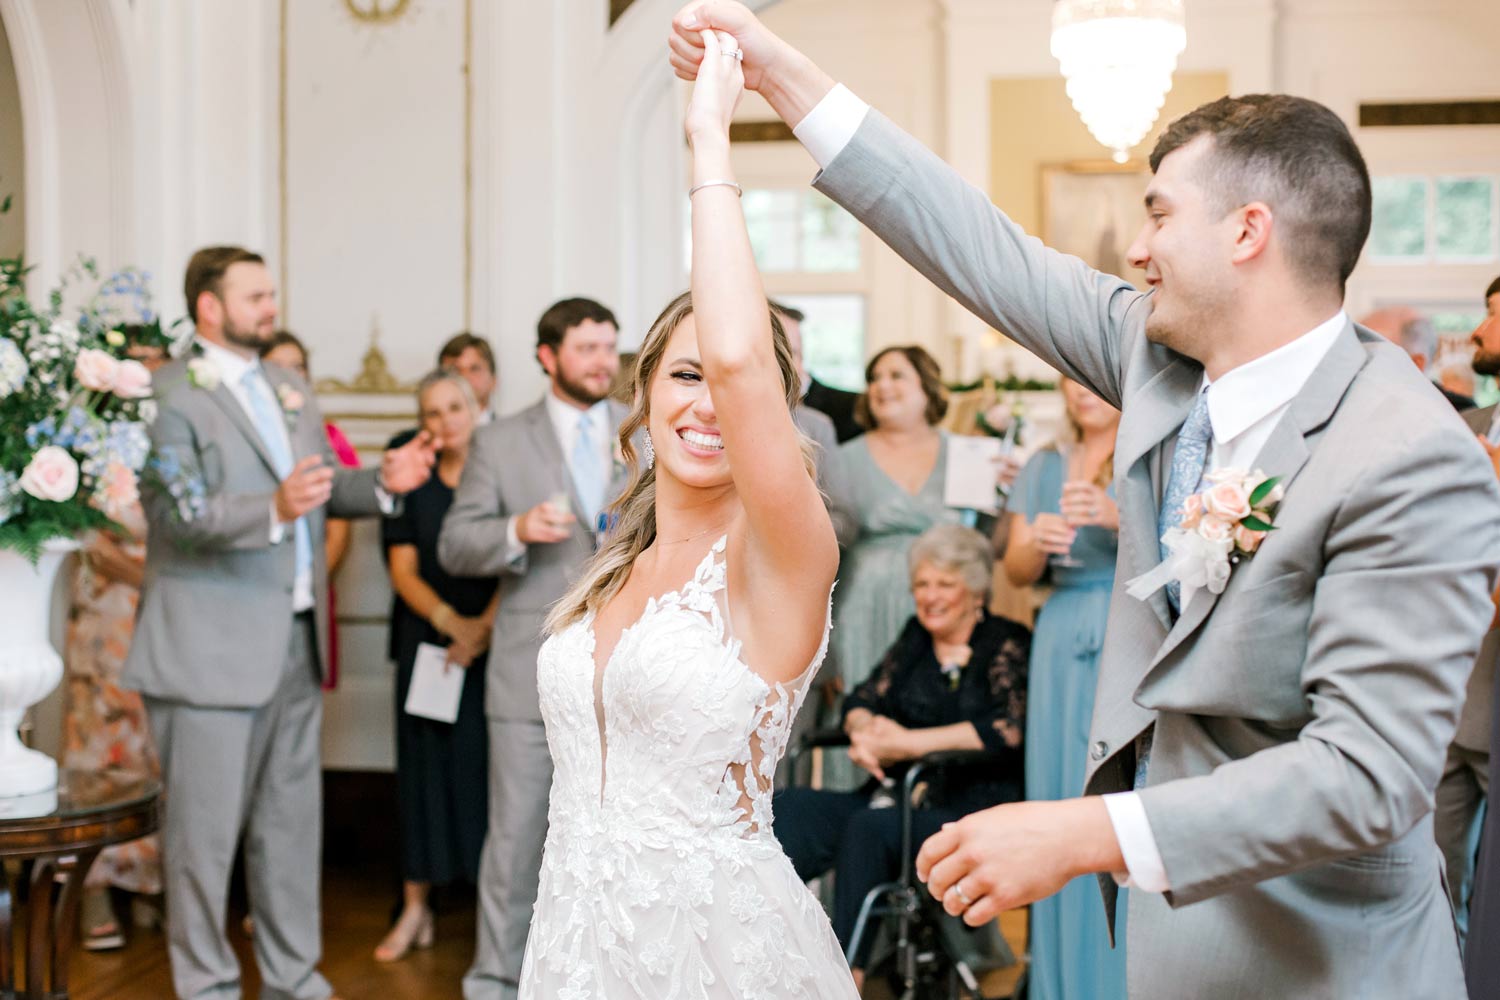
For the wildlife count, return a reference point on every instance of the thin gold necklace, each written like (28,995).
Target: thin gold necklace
(689,538)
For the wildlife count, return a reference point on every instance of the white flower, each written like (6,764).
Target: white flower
(745,902)
(52,474)
(13,367)
(204,374)
(147,410)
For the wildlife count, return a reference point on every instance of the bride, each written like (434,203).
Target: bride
(675,666)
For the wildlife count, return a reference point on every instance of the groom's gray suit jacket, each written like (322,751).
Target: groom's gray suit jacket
(216,610)
(1301,717)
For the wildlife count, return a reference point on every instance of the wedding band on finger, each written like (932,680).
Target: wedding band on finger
(963,897)
(736,53)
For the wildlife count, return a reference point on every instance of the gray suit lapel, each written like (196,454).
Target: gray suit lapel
(1285,452)
(544,438)
(221,395)
(1479,420)
(1153,415)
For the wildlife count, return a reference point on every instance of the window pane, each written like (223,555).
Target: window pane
(830,236)
(1465,221)
(1399,227)
(833,338)
(771,217)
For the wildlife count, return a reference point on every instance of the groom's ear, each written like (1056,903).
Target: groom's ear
(1255,223)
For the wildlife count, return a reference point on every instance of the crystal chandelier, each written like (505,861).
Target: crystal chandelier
(1118,57)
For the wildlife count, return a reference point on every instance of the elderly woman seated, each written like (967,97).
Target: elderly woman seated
(955,679)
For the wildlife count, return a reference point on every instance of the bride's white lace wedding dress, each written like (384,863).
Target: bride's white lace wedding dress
(661,878)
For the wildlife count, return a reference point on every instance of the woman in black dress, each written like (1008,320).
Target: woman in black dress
(954,679)
(440,767)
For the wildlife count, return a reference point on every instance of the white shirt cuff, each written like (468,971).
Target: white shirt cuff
(278,530)
(514,547)
(1127,814)
(826,129)
(386,501)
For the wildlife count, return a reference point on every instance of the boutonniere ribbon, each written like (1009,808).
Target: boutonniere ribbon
(1220,526)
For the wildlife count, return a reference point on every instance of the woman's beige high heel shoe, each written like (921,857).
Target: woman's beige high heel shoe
(405,936)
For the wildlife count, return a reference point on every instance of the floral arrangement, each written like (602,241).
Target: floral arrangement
(74,410)
(1220,526)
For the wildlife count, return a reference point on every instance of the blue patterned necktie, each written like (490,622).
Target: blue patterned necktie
(588,476)
(266,414)
(1189,463)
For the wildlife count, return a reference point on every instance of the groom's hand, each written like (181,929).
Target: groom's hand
(761,48)
(1015,854)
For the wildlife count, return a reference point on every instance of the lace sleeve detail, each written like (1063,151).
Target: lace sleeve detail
(1003,725)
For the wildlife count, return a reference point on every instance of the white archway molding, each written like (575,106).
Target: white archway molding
(73,75)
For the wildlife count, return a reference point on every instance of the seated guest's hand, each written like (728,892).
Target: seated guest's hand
(878,744)
(545,524)
(405,468)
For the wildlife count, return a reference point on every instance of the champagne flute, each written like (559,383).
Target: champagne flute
(1073,459)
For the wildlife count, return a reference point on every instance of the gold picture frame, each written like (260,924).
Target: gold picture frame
(1093,209)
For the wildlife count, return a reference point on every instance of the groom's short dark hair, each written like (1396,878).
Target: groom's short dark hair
(1298,157)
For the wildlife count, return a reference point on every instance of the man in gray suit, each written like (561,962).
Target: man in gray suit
(232,636)
(1465,785)
(1269,752)
(527,510)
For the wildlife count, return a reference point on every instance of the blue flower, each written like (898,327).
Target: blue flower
(42,431)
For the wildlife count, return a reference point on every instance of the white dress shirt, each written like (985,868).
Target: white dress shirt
(565,418)
(1244,406)
(232,368)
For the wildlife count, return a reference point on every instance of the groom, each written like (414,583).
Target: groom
(1267,755)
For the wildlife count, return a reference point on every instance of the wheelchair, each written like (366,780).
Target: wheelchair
(923,952)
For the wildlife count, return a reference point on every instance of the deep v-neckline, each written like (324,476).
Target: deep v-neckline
(601,671)
(937,463)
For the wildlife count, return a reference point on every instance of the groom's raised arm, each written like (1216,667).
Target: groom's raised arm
(1079,320)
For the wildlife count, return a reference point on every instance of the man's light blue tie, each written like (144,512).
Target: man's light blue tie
(588,474)
(266,414)
(1189,464)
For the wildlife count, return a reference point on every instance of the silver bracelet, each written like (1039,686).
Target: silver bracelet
(739,191)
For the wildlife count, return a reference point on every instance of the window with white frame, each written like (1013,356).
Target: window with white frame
(811,255)
(1438,219)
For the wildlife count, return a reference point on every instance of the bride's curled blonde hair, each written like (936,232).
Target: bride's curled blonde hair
(633,516)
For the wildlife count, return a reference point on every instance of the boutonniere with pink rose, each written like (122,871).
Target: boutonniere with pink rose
(291,403)
(1220,526)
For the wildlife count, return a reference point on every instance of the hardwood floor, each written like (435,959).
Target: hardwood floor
(356,910)
(356,913)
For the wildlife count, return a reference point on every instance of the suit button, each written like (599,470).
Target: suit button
(1099,750)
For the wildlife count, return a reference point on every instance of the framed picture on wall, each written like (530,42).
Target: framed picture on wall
(1093,209)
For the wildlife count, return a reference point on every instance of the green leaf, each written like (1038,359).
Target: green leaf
(1256,524)
(1262,491)
(5,205)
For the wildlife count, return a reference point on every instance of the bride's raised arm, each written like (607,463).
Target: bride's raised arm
(793,540)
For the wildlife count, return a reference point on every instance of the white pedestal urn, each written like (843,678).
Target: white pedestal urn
(29,669)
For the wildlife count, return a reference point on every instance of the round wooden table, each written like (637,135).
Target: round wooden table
(93,811)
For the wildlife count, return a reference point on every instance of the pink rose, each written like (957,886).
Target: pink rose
(117,490)
(96,370)
(51,475)
(1215,529)
(1192,511)
(1228,501)
(132,381)
(291,399)
(1247,540)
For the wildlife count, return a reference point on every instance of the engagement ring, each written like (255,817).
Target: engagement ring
(738,54)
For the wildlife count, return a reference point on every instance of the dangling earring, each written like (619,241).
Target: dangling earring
(650,450)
